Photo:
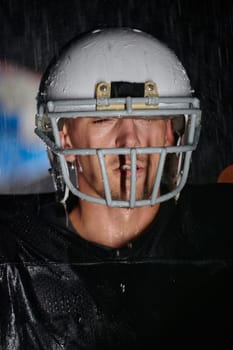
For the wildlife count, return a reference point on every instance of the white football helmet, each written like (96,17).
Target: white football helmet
(123,73)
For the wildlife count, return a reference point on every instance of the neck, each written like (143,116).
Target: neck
(112,227)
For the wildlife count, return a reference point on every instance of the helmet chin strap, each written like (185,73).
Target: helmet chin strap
(66,195)
(80,166)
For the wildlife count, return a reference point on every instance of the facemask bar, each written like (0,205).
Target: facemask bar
(47,121)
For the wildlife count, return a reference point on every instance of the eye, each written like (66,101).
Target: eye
(101,120)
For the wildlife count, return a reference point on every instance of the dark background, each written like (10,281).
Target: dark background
(200,33)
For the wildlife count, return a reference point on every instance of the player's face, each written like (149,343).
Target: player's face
(117,133)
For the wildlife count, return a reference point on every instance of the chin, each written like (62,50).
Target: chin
(125,196)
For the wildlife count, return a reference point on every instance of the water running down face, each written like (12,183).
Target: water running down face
(116,133)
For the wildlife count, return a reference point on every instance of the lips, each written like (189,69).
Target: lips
(126,169)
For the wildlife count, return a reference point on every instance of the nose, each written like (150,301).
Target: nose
(127,133)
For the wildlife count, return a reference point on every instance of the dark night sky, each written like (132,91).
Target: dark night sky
(200,32)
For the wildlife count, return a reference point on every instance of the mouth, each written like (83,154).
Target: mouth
(125,170)
(125,167)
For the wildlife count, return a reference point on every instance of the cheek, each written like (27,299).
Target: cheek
(79,133)
(80,138)
(157,137)
(88,162)
(85,137)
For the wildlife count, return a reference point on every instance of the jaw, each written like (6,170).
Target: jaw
(119,178)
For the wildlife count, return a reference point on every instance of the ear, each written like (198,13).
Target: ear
(66,141)
(170,139)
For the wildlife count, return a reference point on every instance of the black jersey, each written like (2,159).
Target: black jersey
(172,286)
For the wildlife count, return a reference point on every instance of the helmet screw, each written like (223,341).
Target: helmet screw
(103,88)
(150,87)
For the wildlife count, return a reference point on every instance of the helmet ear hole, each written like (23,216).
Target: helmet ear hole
(170,173)
(173,163)
(178,124)
(56,174)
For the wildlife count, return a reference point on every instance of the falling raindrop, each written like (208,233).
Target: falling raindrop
(122,286)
